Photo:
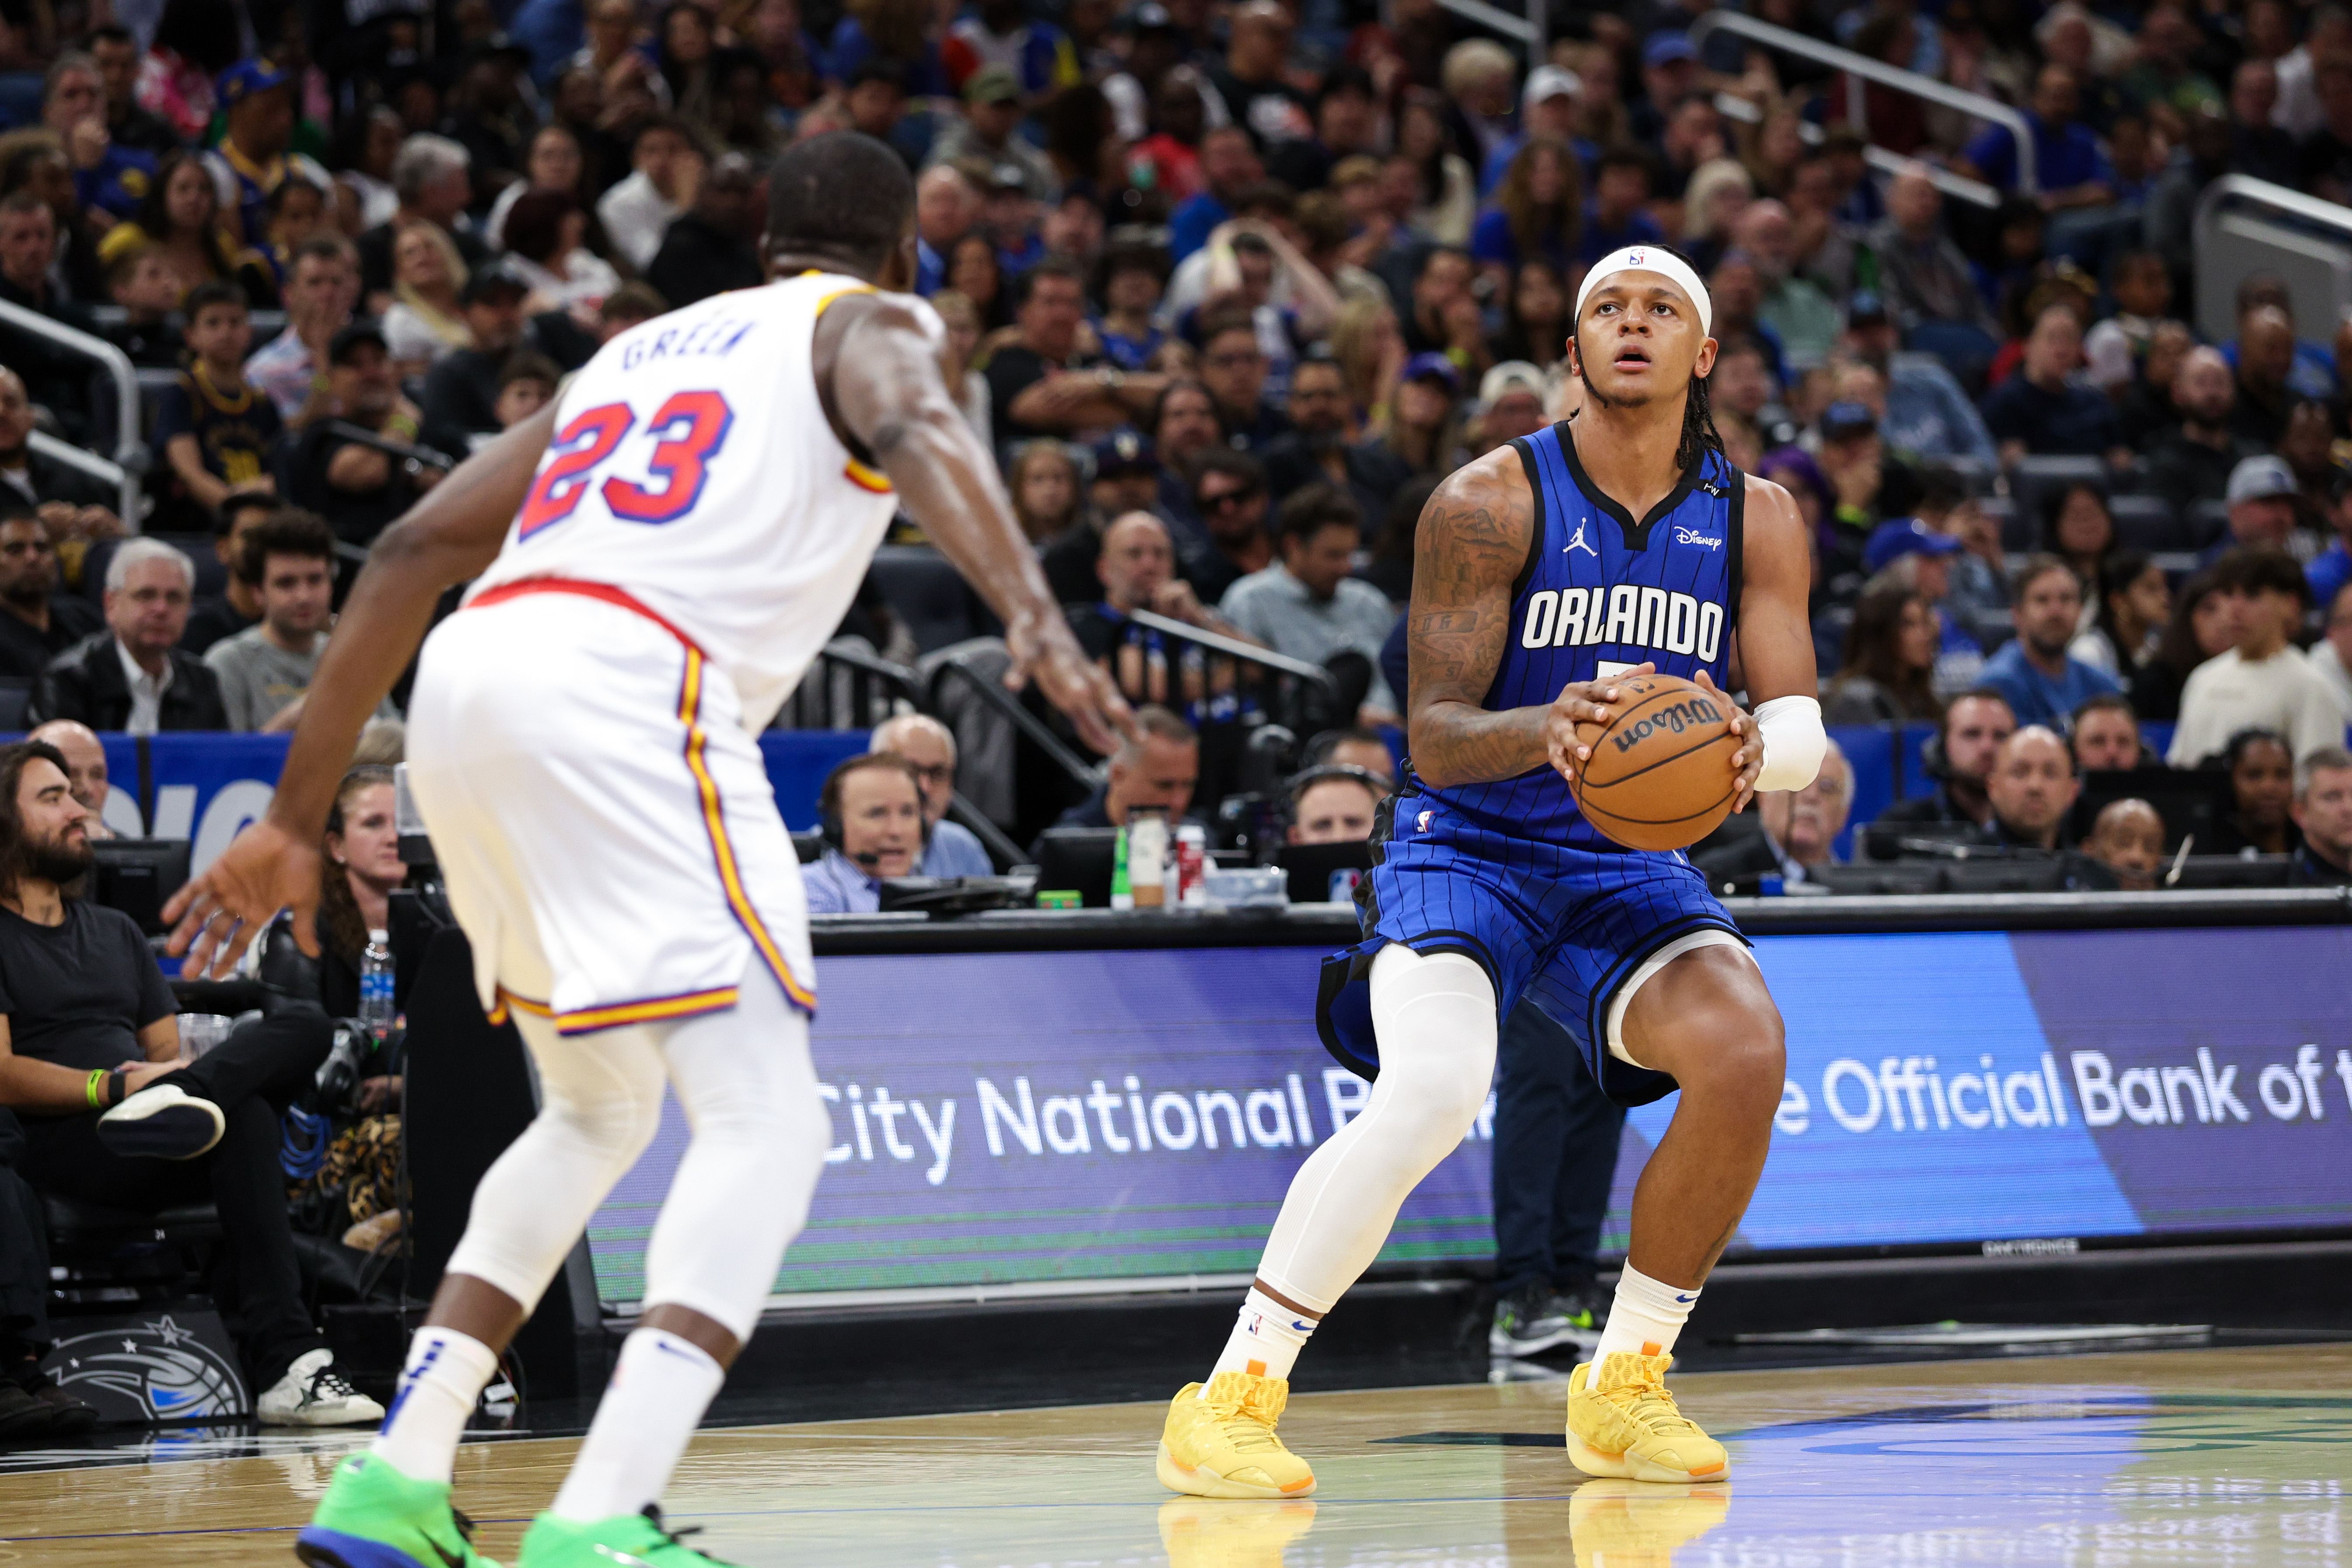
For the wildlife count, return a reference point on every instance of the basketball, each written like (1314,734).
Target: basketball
(1660,774)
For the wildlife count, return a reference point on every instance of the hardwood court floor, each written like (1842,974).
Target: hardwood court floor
(2185,1457)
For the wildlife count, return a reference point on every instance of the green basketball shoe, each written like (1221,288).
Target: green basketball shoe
(374,1517)
(623,1540)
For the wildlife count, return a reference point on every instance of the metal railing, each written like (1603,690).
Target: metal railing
(130,451)
(1235,649)
(1009,707)
(846,689)
(1860,69)
(2307,211)
(1975,192)
(88,462)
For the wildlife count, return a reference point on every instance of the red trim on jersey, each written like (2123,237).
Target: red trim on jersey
(604,591)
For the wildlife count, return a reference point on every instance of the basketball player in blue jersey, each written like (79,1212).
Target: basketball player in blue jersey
(1619,543)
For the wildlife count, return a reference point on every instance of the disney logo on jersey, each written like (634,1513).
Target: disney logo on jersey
(1625,616)
(1687,714)
(1694,536)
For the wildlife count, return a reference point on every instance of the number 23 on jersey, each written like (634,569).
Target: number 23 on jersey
(687,431)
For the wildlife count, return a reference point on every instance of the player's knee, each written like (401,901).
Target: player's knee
(1441,1095)
(1746,1054)
(617,1126)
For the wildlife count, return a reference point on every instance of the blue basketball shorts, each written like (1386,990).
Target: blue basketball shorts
(1562,926)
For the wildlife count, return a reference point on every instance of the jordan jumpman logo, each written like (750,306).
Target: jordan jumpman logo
(1577,541)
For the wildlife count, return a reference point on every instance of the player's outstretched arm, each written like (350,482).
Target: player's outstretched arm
(449,536)
(1471,547)
(886,389)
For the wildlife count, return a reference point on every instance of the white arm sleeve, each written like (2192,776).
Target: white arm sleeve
(1794,743)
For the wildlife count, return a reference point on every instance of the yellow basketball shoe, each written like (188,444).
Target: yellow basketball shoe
(1224,1445)
(1628,1524)
(1621,1422)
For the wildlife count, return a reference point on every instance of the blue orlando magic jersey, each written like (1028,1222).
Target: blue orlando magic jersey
(1601,593)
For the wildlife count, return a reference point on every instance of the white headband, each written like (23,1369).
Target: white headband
(1646,258)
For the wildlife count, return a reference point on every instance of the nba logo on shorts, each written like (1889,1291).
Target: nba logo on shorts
(1422,825)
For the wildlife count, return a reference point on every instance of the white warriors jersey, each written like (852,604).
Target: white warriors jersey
(692,468)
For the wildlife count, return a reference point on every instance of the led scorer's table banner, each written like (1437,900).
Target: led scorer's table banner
(1007,1117)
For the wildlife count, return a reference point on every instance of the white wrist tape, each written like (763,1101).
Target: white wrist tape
(1794,743)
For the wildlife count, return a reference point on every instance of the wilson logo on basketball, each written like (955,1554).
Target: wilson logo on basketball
(1682,716)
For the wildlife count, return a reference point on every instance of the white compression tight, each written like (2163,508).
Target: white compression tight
(1434,1017)
(748,1087)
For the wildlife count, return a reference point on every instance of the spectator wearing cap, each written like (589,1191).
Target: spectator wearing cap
(431,176)
(461,390)
(1854,466)
(1670,74)
(1126,474)
(2323,813)
(1510,403)
(1323,443)
(1927,413)
(1548,105)
(2044,409)
(1929,287)
(2263,680)
(1309,607)
(1921,557)
(2261,496)
(256,100)
(1422,429)
(950,848)
(2194,460)
(666,166)
(2041,682)
(987,134)
(709,248)
(1041,382)
(358,488)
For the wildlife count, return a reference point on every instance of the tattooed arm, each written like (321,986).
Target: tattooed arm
(1472,544)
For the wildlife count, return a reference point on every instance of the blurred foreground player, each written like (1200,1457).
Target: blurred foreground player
(655,560)
(1534,586)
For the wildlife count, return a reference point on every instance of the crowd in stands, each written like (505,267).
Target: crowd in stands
(1229,287)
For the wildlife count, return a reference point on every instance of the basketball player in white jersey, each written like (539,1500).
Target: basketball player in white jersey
(656,563)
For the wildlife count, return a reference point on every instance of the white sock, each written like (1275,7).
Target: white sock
(1647,1316)
(660,1390)
(447,1371)
(1265,1340)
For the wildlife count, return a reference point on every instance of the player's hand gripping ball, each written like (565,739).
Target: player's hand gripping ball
(1661,774)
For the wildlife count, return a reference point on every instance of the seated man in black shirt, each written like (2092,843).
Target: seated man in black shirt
(1040,384)
(36,622)
(357,488)
(31,1405)
(1157,766)
(88,1063)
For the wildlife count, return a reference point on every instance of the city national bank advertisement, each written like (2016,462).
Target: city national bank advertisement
(1012,1119)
